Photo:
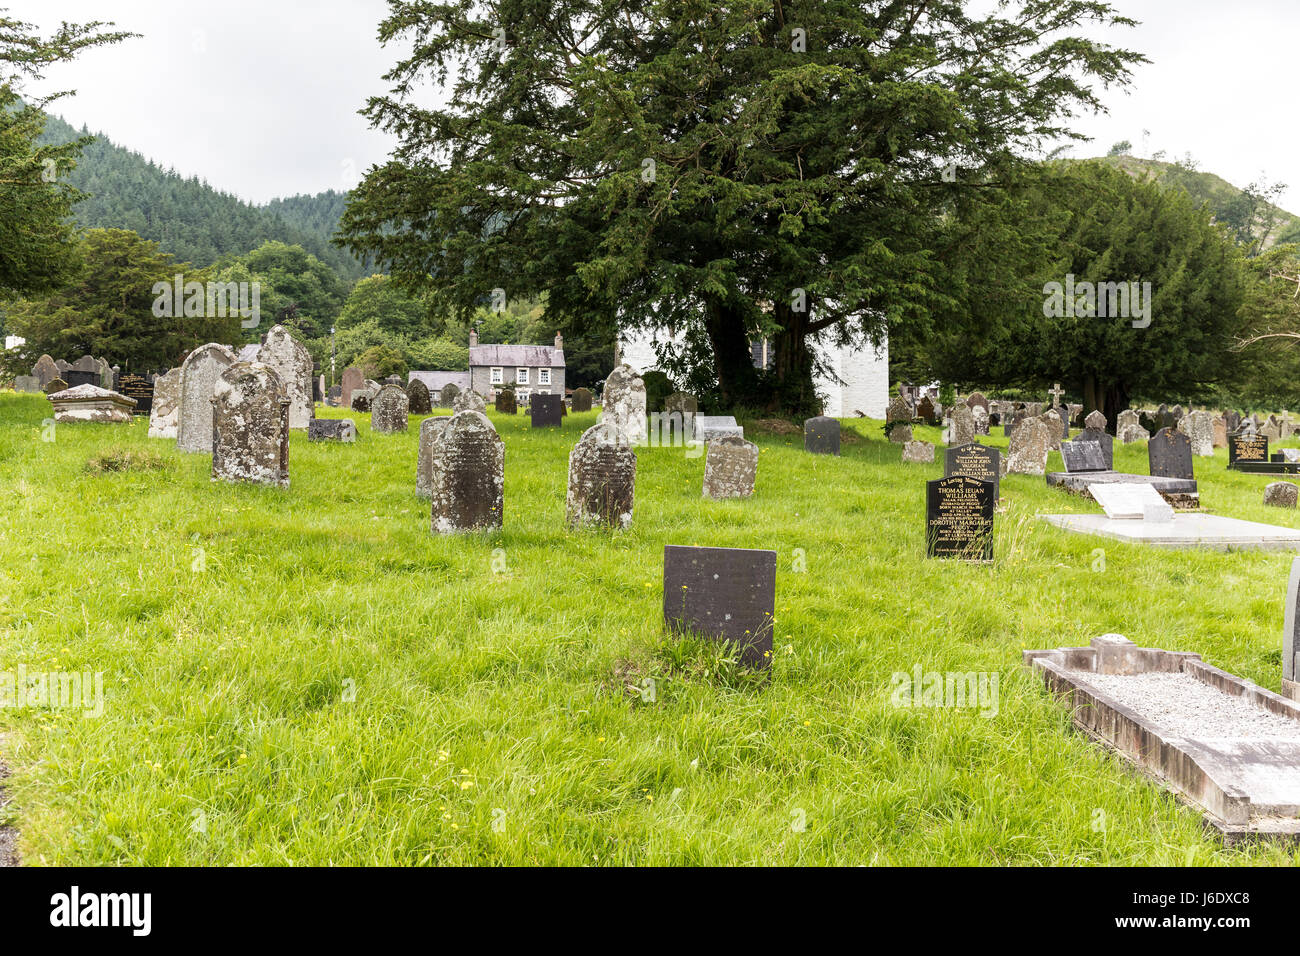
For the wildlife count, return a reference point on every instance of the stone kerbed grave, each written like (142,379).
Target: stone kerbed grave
(723,593)
(1184,530)
(1086,467)
(1223,745)
(90,403)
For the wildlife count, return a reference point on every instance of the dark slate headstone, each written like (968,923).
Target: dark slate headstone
(1232,420)
(139,388)
(546,410)
(1169,453)
(1063,413)
(1102,438)
(821,436)
(723,593)
(959,518)
(1247,448)
(76,376)
(506,402)
(976,461)
(926,411)
(1083,456)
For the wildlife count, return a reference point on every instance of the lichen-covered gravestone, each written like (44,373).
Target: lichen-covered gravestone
(623,403)
(90,403)
(1281,494)
(55,385)
(332,429)
(199,374)
(919,452)
(898,419)
(361,399)
(1030,442)
(582,400)
(506,402)
(45,370)
(468,400)
(468,466)
(388,411)
(292,363)
(447,395)
(821,436)
(602,479)
(1199,428)
(730,467)
(417,398)
(682,403)
(961,428)
(165,413)
(430,431)
(251,426)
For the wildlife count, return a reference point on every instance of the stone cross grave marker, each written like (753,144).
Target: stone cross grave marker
(723,593)
(959,518)
(977,461)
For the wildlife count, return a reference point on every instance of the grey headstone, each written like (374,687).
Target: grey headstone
(918,452)
(1291,628)
(1170,454)
(723,593)
(546,411)
(623,403)
(199,375)
(602,479)
(961,430)
(46,370)
(388,410)
(1030,442)
(250,440)
(332,429)
(468,468)
(1106,442)
(821,436)
(730,467)
(27,383)
(430,431)
(292,362)
(1281,494)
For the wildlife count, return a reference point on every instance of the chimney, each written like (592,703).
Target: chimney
(473,337)
(559,341)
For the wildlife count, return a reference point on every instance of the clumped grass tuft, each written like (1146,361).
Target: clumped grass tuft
(126,459)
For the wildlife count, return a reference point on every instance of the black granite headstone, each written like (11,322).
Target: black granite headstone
(139,388)
(1102,438)
(1169,454)
(75,377)
(1083,456)
(725,593)
(545,411)
(821,436)
(1247,448)
(977,461)
(959,518)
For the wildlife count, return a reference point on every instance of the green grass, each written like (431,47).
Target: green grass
(310,677)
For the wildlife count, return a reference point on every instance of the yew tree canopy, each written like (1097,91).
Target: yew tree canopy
(663,162)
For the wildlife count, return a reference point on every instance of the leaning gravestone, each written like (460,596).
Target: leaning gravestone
(623,403)
(506,403)
(959,518)
(1030,443)
(468,475)
(602,479)
(821,436)
(292,363)
(430,431)
(1247,448)
(45,370)
(388,410)
(250,440)
(545,411)
(332,429)
(353,379)
(1170,455)
(727,594)
(582,399)
(417,398)
(975,461)
(730,467)
(199,374)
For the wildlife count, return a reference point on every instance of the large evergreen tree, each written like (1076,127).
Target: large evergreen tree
(761,167)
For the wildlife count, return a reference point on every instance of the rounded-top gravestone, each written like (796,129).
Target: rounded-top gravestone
(582,399)
(468,475)
(506,402)
(292,362)
(417,398)
(250,430)
(388,410)
(447,395)
(199,374)
(623,403)
(602,479)
(469,400)
(821,436)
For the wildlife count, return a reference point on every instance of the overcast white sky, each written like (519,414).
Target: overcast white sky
(259,97)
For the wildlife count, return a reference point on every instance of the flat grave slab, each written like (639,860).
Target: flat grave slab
(1185,531)
(1181,492)
(1223,745)
(1132,501)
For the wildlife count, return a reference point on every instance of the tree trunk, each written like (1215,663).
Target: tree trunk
(793,364)
(732,361)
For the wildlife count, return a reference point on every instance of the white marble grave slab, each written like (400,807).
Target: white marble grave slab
(1132,501)
(1191,530)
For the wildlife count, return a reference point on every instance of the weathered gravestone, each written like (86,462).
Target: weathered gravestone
(361,399)
(332,429)
(27,383)
(919,453)
(430,431)
(1199,429)
(1280,494)
(707,428)
(898,417)
(292,362)
(681,403)
(1095,420)
(961,427)
(1105,441)
(602,479)
(975,461)
(623,403)
(506,403)
(139,388)
(45,370)
(250,441)
(545,411)
(1030,443)
(977,400)
(199,374)
(55,385)
(821,436)
(468,400)
(388,410)
(418,401)
(1220,432)
(353,378)
(959,518)
(926,411)
(582,399)
(468,475)
(1082,456)
(1247,448)
(448,394)
(981,419)
(728,594)
(730,467)
(1170,454)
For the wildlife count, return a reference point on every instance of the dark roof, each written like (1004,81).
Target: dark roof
(529,356)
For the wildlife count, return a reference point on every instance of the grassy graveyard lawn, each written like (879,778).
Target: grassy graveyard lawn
(310,677)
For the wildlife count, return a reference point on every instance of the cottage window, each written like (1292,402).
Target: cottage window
(498,376)
(521,376)
(544,376)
